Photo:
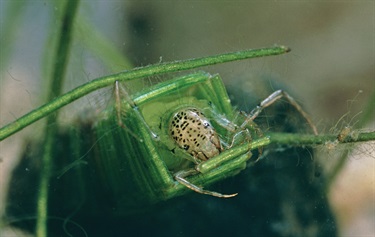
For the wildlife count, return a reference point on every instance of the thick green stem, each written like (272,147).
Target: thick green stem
(60,62)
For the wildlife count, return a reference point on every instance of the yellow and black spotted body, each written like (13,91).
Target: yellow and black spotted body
(193,132)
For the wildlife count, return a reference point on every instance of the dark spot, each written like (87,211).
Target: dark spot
(184,125)
(186,147)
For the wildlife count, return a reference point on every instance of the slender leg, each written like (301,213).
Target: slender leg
(180,177)
(272,99)
(134,107)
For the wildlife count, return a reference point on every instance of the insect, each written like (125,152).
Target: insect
(130,155)
(183,130)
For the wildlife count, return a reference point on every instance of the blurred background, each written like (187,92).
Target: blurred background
(330,70)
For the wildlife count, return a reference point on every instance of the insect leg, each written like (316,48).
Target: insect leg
(180,177)
(275,96)
(134,107)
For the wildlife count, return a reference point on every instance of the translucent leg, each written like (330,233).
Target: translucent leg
(272,99)
(180,177)
(134,107)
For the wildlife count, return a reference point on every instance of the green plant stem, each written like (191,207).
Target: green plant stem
(136,73)
(59,68)
(296,139)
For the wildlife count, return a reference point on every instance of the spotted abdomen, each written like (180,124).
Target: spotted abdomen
(192,131)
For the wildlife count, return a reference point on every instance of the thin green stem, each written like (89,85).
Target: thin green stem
(136,73)
(279,138)
(296,139)
(57,77)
